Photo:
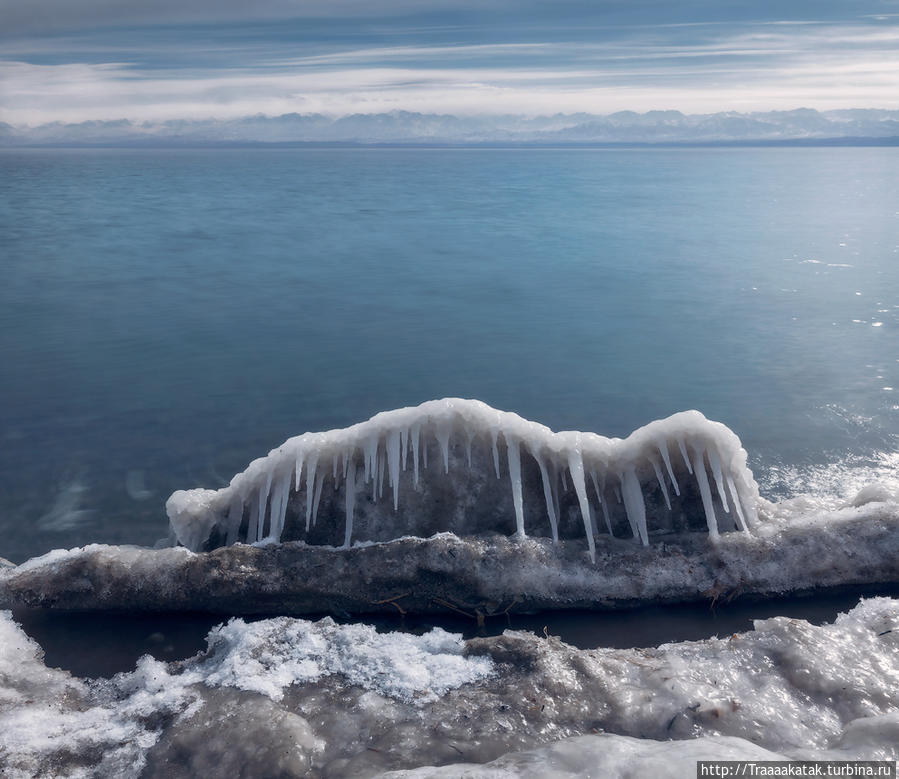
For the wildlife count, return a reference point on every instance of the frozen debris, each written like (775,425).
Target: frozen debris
(679,466)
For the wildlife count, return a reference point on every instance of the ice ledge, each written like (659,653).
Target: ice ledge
(482,574)
(669,472)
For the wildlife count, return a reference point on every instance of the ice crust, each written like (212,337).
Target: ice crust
(385,460)
(790,551)
(290,697)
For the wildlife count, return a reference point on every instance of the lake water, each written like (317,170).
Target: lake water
(168,315)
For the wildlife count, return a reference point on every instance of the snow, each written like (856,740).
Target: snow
(47,717)
(45,712)
(878,492)
(377,449)
(268,656)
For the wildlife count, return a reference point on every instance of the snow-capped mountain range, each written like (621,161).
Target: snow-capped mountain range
(404,127)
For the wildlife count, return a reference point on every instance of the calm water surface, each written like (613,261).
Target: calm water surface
(167,316)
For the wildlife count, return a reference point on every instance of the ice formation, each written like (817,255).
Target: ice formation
(419,470)
(287,697)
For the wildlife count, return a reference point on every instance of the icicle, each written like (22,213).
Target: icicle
(310,486)
(618,491)
(263,499)
(404,446)
(424,452)
(555,485)
(279,507)
(595,486)
(253,527)
(633,502)
(468,448)
(547,493)
(371,457)
(514,455)
(576,466)
(344,462)
(705,491)
(393,464)
(593,528)
(741,520)
(749,508)
(663,450)
(631,517)
(350,503)
(683,451)
(235,516)
(282,518)
(301,454)
(495,454)
(443,436)
(715,462)
(564,481)
(334,470)
(658,469)
(319,482)
(416,436)
(608,519)
(599,499)
(275,511)
(381,469)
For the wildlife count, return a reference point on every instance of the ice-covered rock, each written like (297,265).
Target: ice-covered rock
(289,697)
(461,466)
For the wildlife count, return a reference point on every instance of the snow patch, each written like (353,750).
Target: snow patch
(269,656)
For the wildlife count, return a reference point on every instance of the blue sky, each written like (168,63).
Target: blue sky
(76,60)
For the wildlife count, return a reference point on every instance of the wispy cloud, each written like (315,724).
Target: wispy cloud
(765,64)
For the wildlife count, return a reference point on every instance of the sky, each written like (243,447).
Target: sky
(80,60)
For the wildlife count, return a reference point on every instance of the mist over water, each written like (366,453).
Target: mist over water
(168,315)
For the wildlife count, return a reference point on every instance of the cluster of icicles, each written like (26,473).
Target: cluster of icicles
(385,444)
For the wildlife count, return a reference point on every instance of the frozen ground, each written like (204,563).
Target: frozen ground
(288,697)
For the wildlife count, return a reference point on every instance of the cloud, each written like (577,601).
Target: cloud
(38,94)
(148,76)
(42,16)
